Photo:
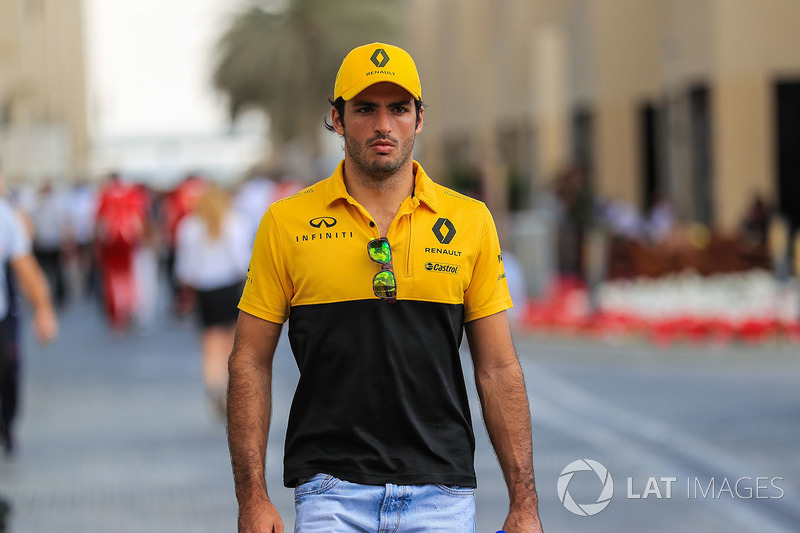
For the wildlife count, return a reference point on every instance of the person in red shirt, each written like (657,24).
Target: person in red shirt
(120,225)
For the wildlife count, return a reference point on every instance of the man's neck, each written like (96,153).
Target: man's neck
(381,197)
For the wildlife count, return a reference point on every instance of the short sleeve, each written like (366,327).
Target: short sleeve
(268,291)
(18,243)
(183,252)
(22,243)
(487,292)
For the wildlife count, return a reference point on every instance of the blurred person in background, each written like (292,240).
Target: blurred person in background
(5,510)
(623,220)
(661,221)
(146,262)
(253,196)
(286,186)
(50,230)
(212,251)
(120,226)
(754,226)
(752,237)
(576,204)
(18,270)
(259,191)
(380,418)
(517,287)
(176,206)
(82,208)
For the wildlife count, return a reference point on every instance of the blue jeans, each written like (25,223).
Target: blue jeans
(325,504)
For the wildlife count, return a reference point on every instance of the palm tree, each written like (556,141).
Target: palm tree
(282,58)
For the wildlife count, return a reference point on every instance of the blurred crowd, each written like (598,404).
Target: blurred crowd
(652,242)
(621,270)
(137,252)
(115,241)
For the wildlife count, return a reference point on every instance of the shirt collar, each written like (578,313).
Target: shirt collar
(424,189)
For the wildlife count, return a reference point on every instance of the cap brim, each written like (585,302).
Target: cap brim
(354,90)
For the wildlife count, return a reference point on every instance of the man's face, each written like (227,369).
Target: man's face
(379,127)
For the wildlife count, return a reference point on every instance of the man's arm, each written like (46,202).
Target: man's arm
(249,411)
(34,286)
(504,401)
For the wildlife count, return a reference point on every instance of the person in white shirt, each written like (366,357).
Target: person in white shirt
(15,253)
(82,209)
(212,254)
(253,197)
(50,225)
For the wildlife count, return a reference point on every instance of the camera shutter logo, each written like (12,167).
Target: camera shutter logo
(585,509)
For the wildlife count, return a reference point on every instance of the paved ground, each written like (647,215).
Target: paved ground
(699,415)
(116,435)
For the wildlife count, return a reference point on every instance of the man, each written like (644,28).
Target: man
(380,434)
(15,253)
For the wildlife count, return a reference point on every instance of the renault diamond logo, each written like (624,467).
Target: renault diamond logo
(379,58)
(329,222)
(444,238)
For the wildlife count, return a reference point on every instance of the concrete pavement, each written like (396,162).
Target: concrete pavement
(704,417)
(114,435)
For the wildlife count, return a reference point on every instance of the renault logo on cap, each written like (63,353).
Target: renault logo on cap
(329,222)
(379,58)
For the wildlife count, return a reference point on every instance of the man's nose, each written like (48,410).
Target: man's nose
(382,123)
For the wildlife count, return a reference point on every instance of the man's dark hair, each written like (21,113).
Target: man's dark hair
(338,104)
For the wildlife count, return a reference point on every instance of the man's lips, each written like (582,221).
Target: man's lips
(382,146)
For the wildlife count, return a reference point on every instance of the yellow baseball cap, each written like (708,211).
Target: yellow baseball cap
(374,63)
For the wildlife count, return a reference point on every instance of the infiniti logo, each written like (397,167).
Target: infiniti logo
(328,222)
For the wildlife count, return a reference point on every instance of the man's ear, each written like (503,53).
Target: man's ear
(419,122)
(337,120)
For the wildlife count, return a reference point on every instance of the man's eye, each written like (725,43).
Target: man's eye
(363,110)
(400,110)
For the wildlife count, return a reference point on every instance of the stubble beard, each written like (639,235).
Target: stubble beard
(379,171)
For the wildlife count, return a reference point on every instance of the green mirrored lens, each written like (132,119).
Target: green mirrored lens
(384,284)
(380,251)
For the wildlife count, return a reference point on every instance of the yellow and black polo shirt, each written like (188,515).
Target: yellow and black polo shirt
(381,396)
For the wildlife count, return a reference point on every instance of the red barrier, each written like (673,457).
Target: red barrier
(565,310)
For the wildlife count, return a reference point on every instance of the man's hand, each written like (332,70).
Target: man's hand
(45,325)
(522,522)
(34,286)
(262,517)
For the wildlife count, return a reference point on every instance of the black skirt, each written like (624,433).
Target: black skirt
(219,307)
